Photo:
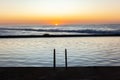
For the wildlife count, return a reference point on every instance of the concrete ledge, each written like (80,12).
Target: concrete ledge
(48,73)
(53,36)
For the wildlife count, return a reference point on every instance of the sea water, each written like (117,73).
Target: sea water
(38,52)
(60,29)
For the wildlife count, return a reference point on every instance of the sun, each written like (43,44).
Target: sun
(56,24)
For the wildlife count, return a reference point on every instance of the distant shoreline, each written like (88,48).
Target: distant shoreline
(54,36)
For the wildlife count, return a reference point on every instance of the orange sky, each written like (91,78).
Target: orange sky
(59,11)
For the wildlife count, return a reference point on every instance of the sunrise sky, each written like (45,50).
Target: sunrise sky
(59,11)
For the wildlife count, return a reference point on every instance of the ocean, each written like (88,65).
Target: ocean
(38,52)
(60,29)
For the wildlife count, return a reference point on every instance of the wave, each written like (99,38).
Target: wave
(87,31)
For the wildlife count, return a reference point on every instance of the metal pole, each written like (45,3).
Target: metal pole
(66,59)
(54,58)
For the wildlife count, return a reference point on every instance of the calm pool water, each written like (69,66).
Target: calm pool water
(38,52)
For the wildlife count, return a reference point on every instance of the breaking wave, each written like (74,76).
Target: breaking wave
(59,30)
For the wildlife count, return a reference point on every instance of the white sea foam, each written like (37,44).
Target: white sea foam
(60,29)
